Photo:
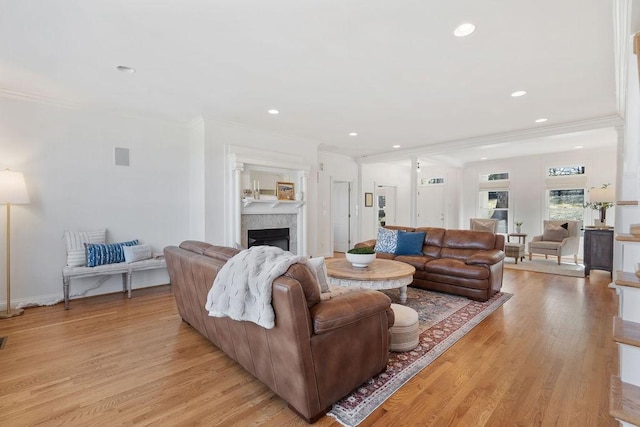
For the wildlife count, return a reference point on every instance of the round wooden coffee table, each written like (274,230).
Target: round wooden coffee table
(380,274)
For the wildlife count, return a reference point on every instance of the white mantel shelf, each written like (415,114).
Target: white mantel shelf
(272,203)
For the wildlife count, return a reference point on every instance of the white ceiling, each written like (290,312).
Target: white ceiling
(390,70)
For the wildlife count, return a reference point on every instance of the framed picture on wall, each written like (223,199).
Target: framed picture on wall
(368,200)
(285,191)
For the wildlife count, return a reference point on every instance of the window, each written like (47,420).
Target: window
(494,198)
(566,204)
(565,192)
(495,205)
(432,181)
(500,176)
(566,171)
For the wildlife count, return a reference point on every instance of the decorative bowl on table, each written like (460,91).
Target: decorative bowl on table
(360,260)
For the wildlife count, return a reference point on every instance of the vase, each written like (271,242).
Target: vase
(518,229)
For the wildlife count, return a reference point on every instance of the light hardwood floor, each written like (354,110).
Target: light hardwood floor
(544,358)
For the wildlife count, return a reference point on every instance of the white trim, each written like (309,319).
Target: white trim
(241,158)
(520,135)
(25,96)
(621,49)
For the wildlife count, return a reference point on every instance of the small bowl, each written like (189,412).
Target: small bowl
(360,260)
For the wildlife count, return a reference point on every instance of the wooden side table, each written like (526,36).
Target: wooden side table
(520,249)
(522,237)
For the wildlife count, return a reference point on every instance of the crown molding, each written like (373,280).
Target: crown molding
(26,96)
(611,121)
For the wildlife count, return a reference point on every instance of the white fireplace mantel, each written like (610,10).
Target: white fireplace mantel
(244,158)
(253,206)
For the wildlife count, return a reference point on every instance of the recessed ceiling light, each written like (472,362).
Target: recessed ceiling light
(483,158)
(273,111)
(519,93)
(464,30)
(125,69)
(396,146)
(578,146)
(541,120)
(353,133)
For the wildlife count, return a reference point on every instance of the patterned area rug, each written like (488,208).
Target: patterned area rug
(443,320)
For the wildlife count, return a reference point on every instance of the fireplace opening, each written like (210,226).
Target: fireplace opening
(269,237)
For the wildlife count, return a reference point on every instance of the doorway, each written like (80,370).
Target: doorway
(431,206)
(385,204)
(341,215)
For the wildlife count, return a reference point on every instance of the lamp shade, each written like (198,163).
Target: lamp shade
(13,189)
(602,195)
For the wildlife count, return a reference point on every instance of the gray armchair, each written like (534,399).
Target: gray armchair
(560,238)
(483,224)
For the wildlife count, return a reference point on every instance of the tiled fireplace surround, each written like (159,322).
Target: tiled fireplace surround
(260,221)
(263,214)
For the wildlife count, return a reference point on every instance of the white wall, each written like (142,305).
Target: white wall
(336,167)
(218,136)
(393,175)
(197,173)
(527,183)
(67,158)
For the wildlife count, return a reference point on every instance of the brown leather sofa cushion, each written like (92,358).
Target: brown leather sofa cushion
(486,257)
(432,241)
(465,239)
(457,268)
(415,260)
(310,287)
(195,246)
(222,253)
(348,308)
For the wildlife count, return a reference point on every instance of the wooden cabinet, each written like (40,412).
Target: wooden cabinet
(598,250)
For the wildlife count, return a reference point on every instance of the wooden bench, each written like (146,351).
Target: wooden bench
(123,268)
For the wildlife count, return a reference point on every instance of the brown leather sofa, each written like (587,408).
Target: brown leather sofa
(461,262)
(318,351)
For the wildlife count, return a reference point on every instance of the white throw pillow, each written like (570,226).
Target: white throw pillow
(321,271)
(136,253)
(75,241)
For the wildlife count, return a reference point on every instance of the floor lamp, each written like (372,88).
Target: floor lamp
(13,191)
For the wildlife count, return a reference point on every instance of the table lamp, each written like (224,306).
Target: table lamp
(602,199)
(13,191)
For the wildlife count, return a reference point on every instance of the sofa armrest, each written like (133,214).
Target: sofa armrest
(486,257)
(366,244)
(349,308)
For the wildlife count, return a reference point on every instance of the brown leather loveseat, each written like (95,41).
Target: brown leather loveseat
(318,351)
(461,262)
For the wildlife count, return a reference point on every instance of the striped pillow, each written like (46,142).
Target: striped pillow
(75,241)
(106,254)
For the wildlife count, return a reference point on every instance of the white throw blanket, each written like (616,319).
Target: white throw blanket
(242,288)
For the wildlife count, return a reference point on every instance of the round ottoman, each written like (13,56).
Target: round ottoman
(404,332)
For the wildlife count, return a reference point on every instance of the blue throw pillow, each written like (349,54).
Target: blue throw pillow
(387,240)
(99,254)
(410,242)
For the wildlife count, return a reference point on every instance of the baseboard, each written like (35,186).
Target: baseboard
(40,300)
(82,292)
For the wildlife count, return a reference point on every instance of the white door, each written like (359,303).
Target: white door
(340,216)
(431,206)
